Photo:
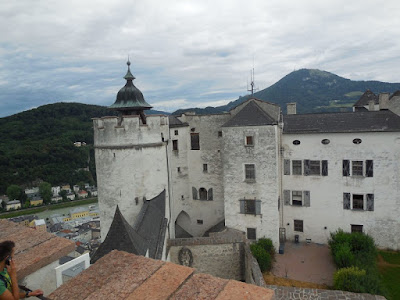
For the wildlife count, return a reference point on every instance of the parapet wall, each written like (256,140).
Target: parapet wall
(129,130)
(225,254)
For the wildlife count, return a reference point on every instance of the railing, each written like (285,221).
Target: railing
(24,288)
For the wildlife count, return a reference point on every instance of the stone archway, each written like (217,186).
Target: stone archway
(182,225)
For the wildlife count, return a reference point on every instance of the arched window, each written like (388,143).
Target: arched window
(203,194)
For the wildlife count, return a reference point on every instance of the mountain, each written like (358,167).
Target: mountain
(312,90)
(38,145)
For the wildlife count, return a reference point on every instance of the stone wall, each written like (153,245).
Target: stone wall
(220,255)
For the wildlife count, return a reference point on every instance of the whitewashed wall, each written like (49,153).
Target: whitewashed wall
(326,192)
(264,155)
(131,161)
(192,175)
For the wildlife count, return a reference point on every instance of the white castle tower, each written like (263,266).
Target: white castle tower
(131,156)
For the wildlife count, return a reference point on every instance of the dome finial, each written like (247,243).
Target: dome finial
(128,62)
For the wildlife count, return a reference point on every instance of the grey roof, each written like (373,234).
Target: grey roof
(368,121)
(151,224)
(366,98)
(396,93)
(148,233)
(250,115)
(130,97)
(175,122)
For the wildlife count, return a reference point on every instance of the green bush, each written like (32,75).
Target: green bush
(343,256)
(350,279)
(357,280)
(262,256)
(267,245)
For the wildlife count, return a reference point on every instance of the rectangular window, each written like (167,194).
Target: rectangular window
(219,133)
(298,225)
(251,234)
(250,172)
(357,168)
(205,168)
(315,167)
(200,222)
(346,167)
(369,168)
(358,201)
(175,145)
(357,228)
(195,141)
(178,169)
(249,140)
(297,167)
(297,198)
(250,206)
(176,132)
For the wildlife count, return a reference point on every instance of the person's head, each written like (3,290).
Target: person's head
(6,249)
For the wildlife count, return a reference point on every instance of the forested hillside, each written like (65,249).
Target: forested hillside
(39,145)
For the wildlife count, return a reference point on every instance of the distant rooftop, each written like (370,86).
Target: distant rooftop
(122,275)
(368,121)
(33,249)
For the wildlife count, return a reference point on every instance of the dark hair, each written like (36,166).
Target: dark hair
(6,248)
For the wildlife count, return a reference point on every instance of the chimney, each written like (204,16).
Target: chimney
(371,105)
(383,101)
(291,108)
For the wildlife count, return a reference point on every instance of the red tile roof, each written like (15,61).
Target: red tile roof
(33,249)
(122,275)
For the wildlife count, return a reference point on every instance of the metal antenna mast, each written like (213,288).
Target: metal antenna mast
(252,89)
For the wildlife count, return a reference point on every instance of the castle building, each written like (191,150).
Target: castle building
(285,177)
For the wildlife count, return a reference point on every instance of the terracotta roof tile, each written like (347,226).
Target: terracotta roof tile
(122,275)
(163,283)
(33,249)
(239,290)
(201,286)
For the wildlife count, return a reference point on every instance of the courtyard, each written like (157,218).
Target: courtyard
(305,262)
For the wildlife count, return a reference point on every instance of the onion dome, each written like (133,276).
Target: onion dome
(130,98)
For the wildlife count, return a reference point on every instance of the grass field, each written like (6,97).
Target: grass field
(389,268)
(35,210)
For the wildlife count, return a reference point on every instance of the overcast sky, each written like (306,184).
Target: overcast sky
(185,53)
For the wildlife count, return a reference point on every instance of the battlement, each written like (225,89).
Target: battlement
(129,130)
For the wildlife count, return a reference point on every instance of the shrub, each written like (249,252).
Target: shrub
(350,279)
(262,256)
(343,256)
(267,245)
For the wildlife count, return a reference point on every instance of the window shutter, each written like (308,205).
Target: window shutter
(306,196)
(286,167)
(306,167)
(286,197)
(258,207)
(346,167)
(210,194)
(194,192)
(369,164)
(346,200)
(241,206)
(370,202)
(324,168)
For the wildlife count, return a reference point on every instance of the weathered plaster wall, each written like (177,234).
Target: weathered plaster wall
(264,154)
(326,192)
(394,104)
(131,161)
(221,254)
(191,171)
(44,279)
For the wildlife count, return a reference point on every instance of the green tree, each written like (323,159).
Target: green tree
(63,194)
(45,191)
(14,192)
